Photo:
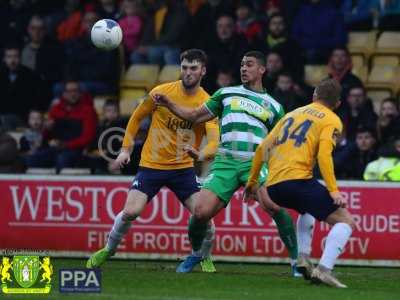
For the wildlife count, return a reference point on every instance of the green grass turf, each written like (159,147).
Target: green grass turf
(157,280)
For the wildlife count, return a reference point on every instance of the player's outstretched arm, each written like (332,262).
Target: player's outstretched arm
(259,157)
(197,115)
(325,163)
(212,133)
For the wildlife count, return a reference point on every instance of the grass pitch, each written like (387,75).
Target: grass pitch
(144,280)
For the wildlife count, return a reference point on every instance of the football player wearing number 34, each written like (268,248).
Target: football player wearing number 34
(301,137)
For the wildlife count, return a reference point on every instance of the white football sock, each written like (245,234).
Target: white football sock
(207,244)
(122,223)
(335,243)
(304,232)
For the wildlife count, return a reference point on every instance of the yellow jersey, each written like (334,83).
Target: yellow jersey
(168,134)
(300,138)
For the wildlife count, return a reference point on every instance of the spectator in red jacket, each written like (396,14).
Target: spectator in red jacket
(70,128)
(246,22)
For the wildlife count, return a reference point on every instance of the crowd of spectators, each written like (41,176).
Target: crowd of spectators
(51,72)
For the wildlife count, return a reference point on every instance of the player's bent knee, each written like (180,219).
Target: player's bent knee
(201,213)
(350,221)
(266,202)
(135,204)
(341,215)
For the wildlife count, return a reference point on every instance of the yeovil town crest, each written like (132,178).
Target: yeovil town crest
(26,271)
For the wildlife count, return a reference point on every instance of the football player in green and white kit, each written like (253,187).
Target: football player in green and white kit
(246,114)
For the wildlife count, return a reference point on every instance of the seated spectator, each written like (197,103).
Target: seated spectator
(339,68)
(274,67)
(201,23)
(44,56)
(388,120)
(387,166)
(108,9)
(225,78)
(352,164)
(131,24)
(54,19)
(285,93)
(162,35)
(246,22)
(226,49)
(318,28)
(71,128)
(276,39)
(33,139)
(359,112)
(14,17)
(341,154)
(70,26)
(10,161)
(20,89)
(360,14)
(96,70)
(107,143)
(390,15)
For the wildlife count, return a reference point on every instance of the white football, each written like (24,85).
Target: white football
(106,34)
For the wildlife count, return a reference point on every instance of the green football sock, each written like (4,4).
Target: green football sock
(287,232)
(197,232)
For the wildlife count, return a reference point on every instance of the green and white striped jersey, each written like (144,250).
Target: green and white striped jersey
(245,119)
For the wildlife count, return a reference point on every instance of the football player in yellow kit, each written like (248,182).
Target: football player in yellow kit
(167,154)
(302,137)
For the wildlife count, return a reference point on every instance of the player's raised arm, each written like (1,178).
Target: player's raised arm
(328,138)
(194,115)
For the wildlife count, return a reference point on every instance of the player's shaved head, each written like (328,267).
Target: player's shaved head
(252,68)
(259,56)
(328,91)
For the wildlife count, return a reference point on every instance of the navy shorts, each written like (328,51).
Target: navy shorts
(183,182)
(304,196)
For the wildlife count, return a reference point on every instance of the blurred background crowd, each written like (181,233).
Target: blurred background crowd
(60,94)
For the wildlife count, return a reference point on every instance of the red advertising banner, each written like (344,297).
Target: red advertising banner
(71,216)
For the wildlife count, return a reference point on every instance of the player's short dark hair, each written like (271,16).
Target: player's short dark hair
(257,55)
(194,54)
(328,91)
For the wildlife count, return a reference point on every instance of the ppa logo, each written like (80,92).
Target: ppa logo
(80,280)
